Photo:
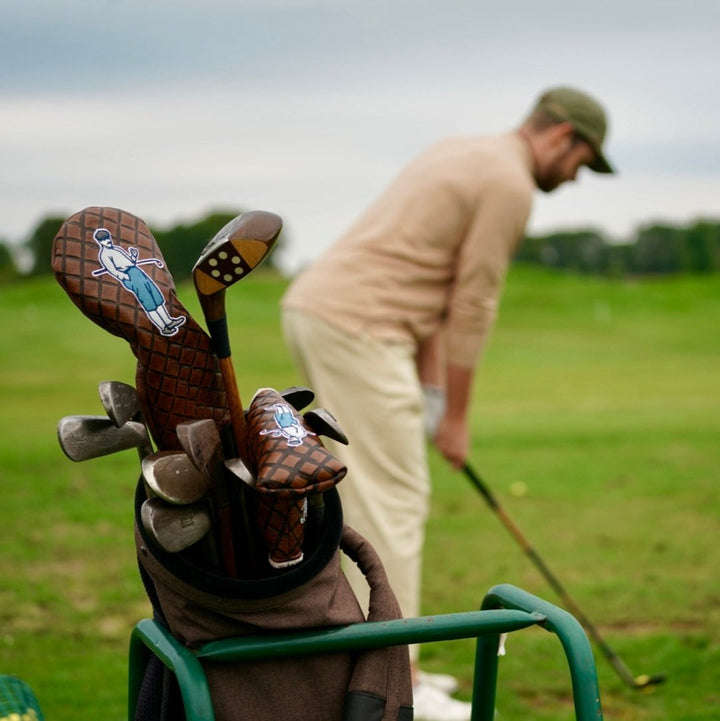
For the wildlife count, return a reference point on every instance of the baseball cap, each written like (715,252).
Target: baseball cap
(585,114)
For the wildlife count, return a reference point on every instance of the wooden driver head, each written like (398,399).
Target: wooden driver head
(235,250)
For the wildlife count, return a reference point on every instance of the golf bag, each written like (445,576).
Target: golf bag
(198,606)
(17,700)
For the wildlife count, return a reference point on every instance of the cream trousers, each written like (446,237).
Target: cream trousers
(373,390)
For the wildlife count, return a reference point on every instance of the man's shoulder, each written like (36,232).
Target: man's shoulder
(504,149)
(484,143)
(499,160)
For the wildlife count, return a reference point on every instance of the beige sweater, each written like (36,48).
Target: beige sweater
(431,252)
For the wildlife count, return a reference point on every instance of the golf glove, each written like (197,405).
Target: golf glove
(434,397)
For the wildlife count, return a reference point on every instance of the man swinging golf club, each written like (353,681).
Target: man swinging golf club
(409,297)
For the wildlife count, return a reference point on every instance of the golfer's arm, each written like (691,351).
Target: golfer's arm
(459,391)
(429,360)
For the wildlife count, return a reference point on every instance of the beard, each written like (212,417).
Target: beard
(549,180)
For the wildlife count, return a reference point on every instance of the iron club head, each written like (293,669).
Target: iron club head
(172,476)
(241,471)
(174,528)
(85,437)
(298,397)
(324,423)
(120,401)
(201,441)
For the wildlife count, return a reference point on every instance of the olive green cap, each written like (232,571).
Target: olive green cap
(585,114)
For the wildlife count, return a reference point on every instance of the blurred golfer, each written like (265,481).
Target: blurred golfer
(404,303)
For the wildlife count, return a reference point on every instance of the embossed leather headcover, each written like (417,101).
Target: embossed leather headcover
(118,279)
(292,464)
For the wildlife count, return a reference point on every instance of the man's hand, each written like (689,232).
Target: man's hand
(453,441)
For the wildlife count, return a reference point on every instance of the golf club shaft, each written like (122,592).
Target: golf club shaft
(234,252)
(615,661)
(213,307)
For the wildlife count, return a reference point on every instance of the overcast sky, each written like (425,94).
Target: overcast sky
(171,108)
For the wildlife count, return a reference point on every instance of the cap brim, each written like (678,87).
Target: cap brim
(600,164)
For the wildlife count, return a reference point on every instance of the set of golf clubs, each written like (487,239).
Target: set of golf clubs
(176,513)
(180,509)
(191,487)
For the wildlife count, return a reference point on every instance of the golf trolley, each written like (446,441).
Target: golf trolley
(505,609)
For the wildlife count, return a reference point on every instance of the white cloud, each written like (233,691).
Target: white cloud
(309,108)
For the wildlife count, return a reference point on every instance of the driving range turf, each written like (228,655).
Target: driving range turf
(595,422)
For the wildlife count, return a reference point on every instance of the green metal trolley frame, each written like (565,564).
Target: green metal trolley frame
(505,609)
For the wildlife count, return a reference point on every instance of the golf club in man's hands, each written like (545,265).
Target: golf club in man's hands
(636,682)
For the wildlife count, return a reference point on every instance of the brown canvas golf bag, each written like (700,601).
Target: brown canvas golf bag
(272,559)
(198,607)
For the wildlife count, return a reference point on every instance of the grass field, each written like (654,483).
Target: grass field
(600,396)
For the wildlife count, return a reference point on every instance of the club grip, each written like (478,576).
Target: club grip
(218,330)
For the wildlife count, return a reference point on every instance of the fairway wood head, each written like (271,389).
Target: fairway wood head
(298,397)
(85,437)
(235,250)
(120,401)
(174,528)
(324,423)
(200,439)
(173,477)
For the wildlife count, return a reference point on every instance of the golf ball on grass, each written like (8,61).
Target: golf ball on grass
(518,489)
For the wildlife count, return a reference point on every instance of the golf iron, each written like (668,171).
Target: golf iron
(174,528)
(173,477)
(635,682)
(86,437)
(120,401)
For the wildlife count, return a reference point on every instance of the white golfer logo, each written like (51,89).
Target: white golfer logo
(124,266)
(286,425)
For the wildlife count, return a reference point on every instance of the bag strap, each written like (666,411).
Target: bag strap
(381,687)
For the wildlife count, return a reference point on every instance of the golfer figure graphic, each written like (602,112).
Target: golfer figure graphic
(286,425)
(123,265)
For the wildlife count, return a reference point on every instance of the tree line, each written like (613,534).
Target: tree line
(655,249)
(180,245)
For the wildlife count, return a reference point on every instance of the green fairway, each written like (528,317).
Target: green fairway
(599,397)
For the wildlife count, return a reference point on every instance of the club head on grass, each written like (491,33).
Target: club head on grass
(174,528)
(173,477)
(324,423)
(85,437)
(645,682)
(120,401)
